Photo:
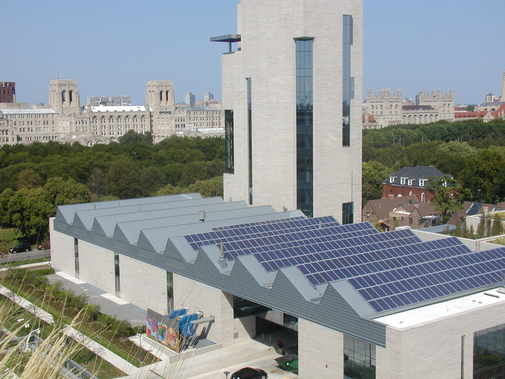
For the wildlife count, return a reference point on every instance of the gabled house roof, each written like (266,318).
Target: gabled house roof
(425,209)
(382,207)
(413,174)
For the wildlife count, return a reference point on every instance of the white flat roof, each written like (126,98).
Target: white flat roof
(118,108)
(27,111)
(429,313)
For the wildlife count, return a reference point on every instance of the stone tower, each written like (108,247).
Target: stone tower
(160,94)
(7,92)
(64,96)
(292,101)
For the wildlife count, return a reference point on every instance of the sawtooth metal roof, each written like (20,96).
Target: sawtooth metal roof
(372,273)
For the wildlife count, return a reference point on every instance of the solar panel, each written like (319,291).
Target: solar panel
(473,208)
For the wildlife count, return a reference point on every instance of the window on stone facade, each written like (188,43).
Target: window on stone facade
(488,352)
(359,358)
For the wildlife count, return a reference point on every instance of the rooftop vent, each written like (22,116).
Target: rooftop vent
(201,216)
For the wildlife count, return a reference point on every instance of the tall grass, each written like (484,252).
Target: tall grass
(46,361)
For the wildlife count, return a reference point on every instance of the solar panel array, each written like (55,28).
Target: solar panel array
(232,235)
(429,274)
(389,270)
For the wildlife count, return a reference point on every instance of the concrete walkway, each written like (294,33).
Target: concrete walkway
(109,304)
(29,265)
(30,307)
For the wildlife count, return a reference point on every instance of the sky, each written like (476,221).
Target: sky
(114,47)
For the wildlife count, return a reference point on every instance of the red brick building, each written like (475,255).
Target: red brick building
(7,92)
(410,181)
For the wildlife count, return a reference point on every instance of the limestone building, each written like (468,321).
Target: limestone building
(65,120)
(351,302)
(291,95)
(387,108)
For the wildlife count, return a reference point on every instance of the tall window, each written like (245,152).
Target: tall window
(117,277)
(170,291)
(304,125)
(347,213)
(359,358)
(347,81)
(76,257)
(249,132)
(489,353)
(228,142)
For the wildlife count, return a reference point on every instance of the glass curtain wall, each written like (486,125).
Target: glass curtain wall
(304,126)
(347,81)
(228,143)
(249,132)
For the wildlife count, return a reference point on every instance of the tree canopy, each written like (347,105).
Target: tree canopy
(35,179)
(472,152)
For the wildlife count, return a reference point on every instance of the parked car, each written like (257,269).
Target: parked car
(249,373)
(21,248)
(43,246)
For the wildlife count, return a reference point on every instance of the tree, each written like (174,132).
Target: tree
(60,192)
(208,188)
(29,179)
(131,137)
(97,184)
(124,181)
(373,175)
(448,196)
(484,175)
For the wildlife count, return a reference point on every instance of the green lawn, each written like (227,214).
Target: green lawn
(10,238)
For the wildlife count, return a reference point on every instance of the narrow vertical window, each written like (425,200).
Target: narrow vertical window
(170,291)
(462,357)
(76,257)
(347,81)
(70,97)
(347,213)
(249,129)
(228,142)
(304,125)
(117,279)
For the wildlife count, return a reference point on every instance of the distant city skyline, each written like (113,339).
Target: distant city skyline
(115,48)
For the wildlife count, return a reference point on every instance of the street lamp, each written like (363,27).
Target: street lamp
(227,373)
(37,331)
